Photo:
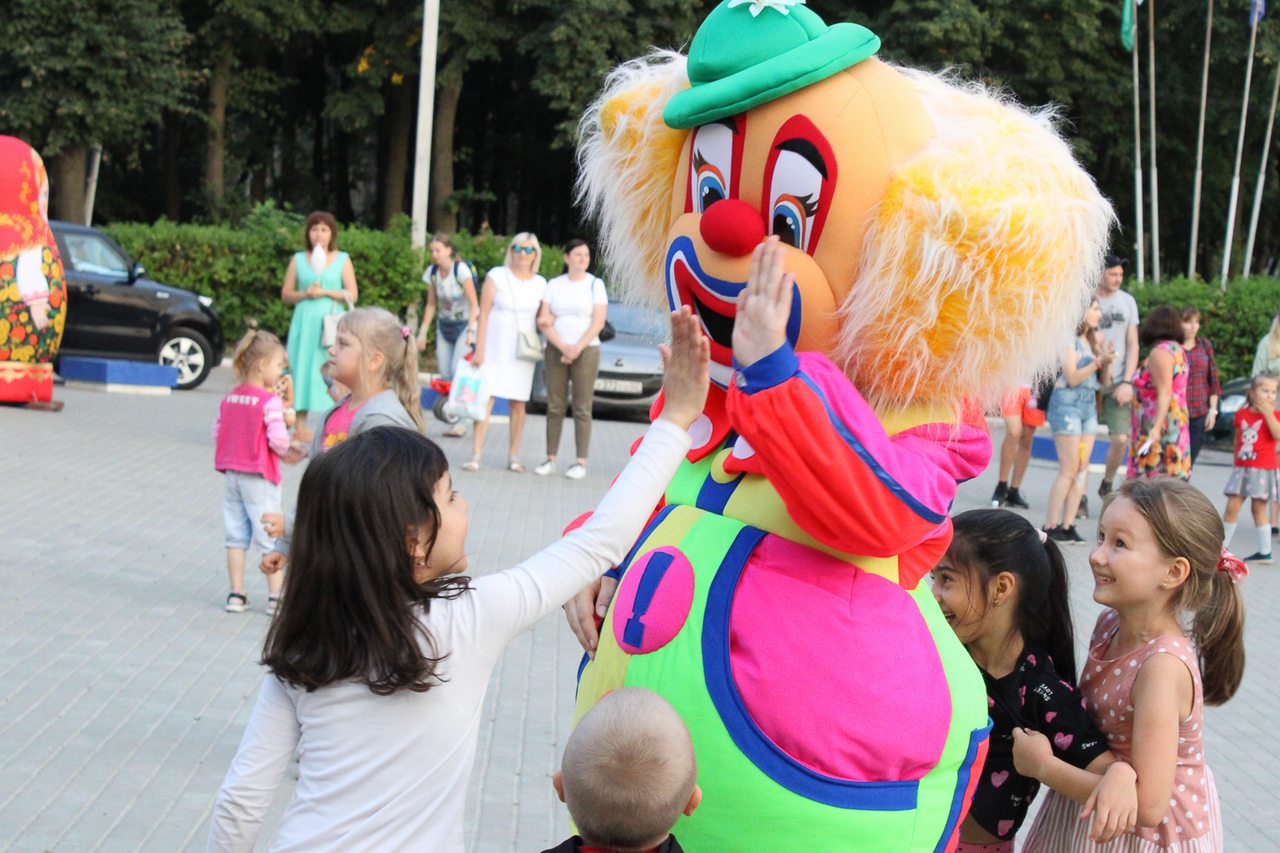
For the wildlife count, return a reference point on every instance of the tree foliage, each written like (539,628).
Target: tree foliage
(318,99)
(84,72)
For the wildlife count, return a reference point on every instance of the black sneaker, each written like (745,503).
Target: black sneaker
(1057,534)
(1072,536)
(1265,559)
(1104,488)
(1083,510)
(999,495)
(1014,498)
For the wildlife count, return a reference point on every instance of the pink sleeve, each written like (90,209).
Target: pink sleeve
(844,480)
(277,432)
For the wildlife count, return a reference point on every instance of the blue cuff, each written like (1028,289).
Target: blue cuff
(774,369)
(614,573)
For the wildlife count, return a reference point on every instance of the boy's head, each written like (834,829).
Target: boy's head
(628,771)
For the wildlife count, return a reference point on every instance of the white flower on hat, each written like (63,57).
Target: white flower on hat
(783,6)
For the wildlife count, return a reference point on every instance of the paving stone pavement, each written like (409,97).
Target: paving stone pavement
(125,688)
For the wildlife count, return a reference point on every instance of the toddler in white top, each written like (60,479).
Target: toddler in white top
(381,652)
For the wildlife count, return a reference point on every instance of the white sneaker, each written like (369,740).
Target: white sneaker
(576,472)
(545,468)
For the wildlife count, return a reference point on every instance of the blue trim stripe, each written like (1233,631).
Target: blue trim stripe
(714,496)
(754,743)
(899,491)
(774,369)
(586,659)
(962,785)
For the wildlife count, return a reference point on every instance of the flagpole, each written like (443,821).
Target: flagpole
(1262,175)
(1235,175)
(1195,193)
(1151,127)
(1137,149)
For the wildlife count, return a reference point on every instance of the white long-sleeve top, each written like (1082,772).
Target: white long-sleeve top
(383,773)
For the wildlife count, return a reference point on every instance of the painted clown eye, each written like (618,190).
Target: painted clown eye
(710,186)
(790,219)
(710,175)
(795,190)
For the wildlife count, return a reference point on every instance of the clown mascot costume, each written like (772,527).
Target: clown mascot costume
(942,243)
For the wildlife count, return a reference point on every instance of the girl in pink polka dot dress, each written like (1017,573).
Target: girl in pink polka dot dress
(1158,565)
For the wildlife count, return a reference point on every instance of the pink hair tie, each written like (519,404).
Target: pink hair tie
(1044,537)
(1233,566)
(406,332)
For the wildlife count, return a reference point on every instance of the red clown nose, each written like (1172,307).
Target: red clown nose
(732,227)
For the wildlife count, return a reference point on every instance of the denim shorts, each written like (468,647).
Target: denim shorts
(247,497)
(1072,412)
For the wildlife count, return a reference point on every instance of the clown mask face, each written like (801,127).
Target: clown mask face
(808,167)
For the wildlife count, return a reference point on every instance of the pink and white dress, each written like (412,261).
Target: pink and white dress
(1194,822)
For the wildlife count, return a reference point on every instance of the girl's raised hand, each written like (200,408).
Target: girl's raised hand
(687,368)
(764,306)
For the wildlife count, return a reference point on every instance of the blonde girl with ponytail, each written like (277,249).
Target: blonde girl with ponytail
(1170,642)
(375,356)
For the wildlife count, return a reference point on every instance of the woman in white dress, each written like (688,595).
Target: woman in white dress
(508,305)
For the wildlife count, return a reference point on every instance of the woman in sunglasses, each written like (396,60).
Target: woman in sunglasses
(508,310)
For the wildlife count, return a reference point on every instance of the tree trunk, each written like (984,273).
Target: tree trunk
(258,182)
(172,177)
(400,121)
(67,190)
(216,152)
(439,216)
(340,189)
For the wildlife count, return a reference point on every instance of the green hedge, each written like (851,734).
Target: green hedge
(1234,319)
(243,266)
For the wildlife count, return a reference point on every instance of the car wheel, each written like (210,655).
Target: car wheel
(190,352)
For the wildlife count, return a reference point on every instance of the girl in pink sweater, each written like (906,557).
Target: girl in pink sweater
(251,436)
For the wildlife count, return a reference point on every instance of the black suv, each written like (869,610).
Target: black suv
(114,310)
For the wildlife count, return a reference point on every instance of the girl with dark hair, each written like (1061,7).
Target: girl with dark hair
(1170,641)
(1203,387)
(381,651)
(1160,441)
(1002,587)
(318,282)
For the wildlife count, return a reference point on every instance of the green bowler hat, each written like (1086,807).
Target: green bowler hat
(750,52)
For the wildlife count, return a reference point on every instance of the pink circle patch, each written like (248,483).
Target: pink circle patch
(653,601)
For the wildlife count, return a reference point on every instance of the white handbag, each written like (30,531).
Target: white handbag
(528,341)
(329,322)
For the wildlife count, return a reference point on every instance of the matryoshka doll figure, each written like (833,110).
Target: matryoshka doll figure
(33,296)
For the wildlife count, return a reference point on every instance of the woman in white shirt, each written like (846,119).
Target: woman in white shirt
(508,307)
(571,317)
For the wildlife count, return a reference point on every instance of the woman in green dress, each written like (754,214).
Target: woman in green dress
(319,281)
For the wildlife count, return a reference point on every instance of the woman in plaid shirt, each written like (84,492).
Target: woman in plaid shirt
(1203,388)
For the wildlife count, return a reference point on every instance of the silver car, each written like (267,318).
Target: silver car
(630,367)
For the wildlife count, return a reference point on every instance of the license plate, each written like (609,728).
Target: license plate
(620,386)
